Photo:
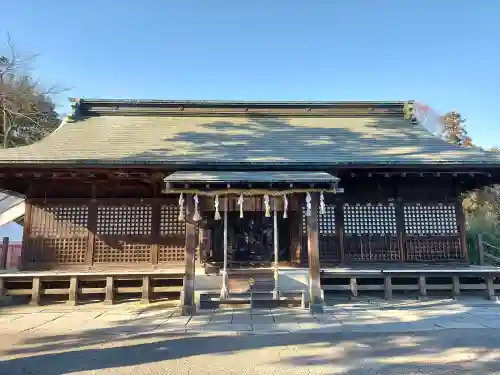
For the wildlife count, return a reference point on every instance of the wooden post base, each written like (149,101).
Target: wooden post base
(316,308)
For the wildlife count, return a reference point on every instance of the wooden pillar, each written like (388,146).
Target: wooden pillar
(353,286)
(276,292)
(27,243)
(339,225)
(92,228)
(480,248)
(224,292)
(188,301)
(316,300)
(146,289)
(388,286)
(3,290)
(35,292)
(462,228)
(73,290)
(422,283)
(400,228)
(156,221)
(5,253)
(490,287)
(110,291)
(294,224)
(455,286)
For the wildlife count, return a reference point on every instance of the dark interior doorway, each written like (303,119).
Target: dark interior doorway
(250,240)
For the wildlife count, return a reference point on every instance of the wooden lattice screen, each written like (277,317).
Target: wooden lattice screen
(371,232)
(432,232)
(329,250)
(58,233)
(172,235)
(121,232)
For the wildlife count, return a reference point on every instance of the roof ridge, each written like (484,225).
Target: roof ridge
(98,107)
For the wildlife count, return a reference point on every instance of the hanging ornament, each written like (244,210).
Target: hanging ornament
(267,205)
(285,206)
(216,204)
(181,208)
(322,207)
(196,216)
(308,204)
(240,203)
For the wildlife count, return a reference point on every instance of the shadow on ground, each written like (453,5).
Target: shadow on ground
(138,342)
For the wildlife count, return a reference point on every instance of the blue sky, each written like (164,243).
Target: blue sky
(445,53)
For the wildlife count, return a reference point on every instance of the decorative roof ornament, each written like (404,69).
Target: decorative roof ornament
(267,205)
(285,206)
(240,203)
(322,207)
(216,205)
(182,216)
(196,216)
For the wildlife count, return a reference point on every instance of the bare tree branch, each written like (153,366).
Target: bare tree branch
(27,111)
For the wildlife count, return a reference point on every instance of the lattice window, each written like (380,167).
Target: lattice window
(60,221)
(61,250)
(168,254)
(121,252)
(326,222)
(124,220)
(169,221)
(430,220)
(428,249)
(371,219)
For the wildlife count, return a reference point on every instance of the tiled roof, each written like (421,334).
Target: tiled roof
(211,136)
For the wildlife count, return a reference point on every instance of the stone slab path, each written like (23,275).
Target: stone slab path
(97,339)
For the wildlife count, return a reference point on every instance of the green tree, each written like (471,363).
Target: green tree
(27,111)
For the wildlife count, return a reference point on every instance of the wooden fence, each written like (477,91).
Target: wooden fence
(10,254)
(489,254)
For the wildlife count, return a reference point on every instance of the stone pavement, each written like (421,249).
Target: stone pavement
(93,339)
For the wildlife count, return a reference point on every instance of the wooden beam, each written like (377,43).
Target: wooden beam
(188,305)
(316,300)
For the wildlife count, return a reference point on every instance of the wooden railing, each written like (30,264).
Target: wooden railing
(489,254)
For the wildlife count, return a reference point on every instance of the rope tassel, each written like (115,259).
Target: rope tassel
(322,207)
(267,205)
(196,216)
(182,217)
(240,203)
(216,204)
(308,204)
(285,206)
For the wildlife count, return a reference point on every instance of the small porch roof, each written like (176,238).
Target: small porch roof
(215,177)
